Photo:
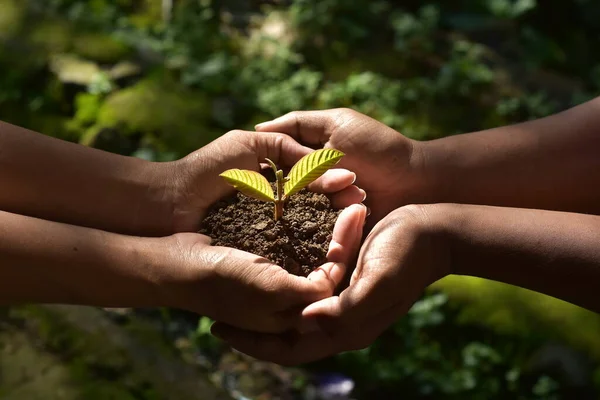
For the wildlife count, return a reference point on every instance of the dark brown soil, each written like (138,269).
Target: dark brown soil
(298,242)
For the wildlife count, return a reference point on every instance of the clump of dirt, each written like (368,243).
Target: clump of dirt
(297,242)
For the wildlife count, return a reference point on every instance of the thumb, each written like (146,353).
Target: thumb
(372,290)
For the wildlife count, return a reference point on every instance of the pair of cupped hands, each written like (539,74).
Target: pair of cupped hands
(260,308)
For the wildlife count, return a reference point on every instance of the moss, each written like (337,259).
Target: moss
(178,117)
(100,47)
(11,17)
(94,358)
(52,36)
(60,362)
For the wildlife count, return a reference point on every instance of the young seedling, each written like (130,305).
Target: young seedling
(305,171)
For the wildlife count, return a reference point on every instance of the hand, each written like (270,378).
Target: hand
(384,161)
(198,184)
(403,254)
(245,290)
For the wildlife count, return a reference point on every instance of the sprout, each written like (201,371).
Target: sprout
(306,170)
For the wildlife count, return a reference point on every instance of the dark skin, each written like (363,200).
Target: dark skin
(530,197)
(82,226)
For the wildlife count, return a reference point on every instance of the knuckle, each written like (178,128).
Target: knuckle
(346,112)
(272,283)
(235,134)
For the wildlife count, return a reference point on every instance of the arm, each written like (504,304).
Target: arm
(56,180)
(51,262)
(551,163)
(555,253)
(52,179)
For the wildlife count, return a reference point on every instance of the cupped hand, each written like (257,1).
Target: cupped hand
(247,291)
(384,161)
(197,184)
(404,253)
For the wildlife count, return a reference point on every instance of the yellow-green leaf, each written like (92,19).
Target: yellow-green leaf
(250,183)
(309,168)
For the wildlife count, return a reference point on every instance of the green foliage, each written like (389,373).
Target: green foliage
(121,76)
(251,183)
(309,168)
(428,355)
(295,93)
(306,170)
(510,8)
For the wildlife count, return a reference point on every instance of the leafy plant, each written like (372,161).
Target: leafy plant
(305,171)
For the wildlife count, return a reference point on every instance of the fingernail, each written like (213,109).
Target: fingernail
(317,274)
(258,126)
(364,195)
(368,211)
(353,180)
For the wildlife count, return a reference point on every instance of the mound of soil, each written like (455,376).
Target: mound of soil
(297,242)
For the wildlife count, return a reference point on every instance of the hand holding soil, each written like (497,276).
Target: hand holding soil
(246,290)
(296,228)
(160,261)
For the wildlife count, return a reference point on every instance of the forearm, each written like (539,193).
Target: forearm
(555,253)
(56,180)
(551,163)
(49,262)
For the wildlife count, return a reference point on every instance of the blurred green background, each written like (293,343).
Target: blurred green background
(159,78)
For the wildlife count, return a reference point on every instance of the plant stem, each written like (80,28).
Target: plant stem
(278,209)
(279,200)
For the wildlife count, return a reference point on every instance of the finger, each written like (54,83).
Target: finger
(367,330)
(344,237)
(207,240)
(347,197)
(310,127)
(346,234)
(280,148)
(265,298)
(300,291)
(360,230)
(311,345)
(373,288)
(343,247)
(333,181)
(289,350)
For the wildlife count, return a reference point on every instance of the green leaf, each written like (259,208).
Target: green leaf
(250,183)
(309,168)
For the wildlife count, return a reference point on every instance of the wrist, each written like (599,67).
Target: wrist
(157,212)
(102,269)
(180,271)
(446,222)
(432,226)
(131,274)
(419,185)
